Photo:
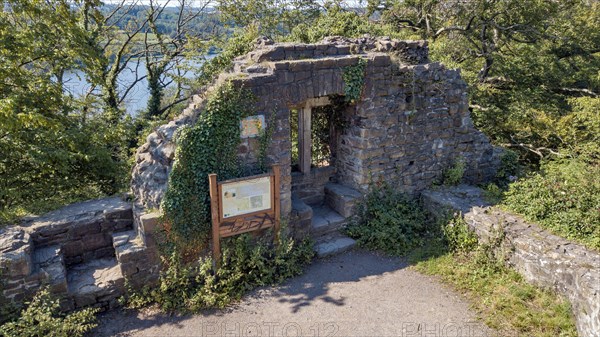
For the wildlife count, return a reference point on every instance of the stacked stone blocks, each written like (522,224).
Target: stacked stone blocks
(72,251)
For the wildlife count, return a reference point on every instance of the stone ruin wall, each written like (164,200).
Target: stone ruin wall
(410,123)
(84,253)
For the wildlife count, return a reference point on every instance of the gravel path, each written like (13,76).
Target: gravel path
(354,294)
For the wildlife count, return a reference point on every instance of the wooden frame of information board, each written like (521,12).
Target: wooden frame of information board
(244,205)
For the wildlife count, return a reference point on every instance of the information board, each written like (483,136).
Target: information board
(245,197)
(244,205)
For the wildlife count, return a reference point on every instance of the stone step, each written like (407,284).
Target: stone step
(325,221)
(333,244)
(301,215)
(49,266)
(342,199)
(97,283)
(139,261)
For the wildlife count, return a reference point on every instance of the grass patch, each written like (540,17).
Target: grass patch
(503,299)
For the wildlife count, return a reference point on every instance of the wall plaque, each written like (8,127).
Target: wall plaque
(252,126)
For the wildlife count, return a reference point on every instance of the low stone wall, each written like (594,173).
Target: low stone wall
(540,257)
(83,230)
(137,250)
(84,252)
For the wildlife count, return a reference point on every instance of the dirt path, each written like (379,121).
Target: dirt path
(354,294)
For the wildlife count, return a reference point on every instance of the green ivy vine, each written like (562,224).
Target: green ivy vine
(210,146)
(354,80)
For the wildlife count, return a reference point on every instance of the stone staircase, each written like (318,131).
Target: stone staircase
(83,253)
(329,218)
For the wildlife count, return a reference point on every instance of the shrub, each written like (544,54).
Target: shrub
(564,197)
(246,264)
(42,318)
(453,175)
(509,168)
(458,236)
(388,220)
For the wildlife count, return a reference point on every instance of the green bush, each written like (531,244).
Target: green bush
(453,175)
(564,197)
(388,220)
(458,236)
(42,318)
(246,264)
(509,168)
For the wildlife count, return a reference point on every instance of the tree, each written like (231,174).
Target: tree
(275,18)
(165,54)
(48,151)
(523,60)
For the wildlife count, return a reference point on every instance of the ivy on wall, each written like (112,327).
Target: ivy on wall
(354,80)
(210,146)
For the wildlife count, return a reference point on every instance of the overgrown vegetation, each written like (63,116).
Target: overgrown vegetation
(392,222)
(59,146)
(42,317)
(208,147)
(505,301)
(454,174)
(388,220)
(247,264)
(354,80)
(336,20)
(563,197)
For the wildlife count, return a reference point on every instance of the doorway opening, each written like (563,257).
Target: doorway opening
(314,133)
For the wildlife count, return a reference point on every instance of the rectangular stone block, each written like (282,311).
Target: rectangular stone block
(96,241)
(122,212)
(72,248)
(150,222)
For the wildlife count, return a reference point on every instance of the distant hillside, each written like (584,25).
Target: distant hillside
(207,22)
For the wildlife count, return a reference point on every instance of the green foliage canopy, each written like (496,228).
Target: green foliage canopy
(52,151)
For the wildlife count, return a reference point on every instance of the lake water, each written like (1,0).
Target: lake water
(137,98)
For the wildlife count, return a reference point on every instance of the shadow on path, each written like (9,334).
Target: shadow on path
(309,289)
